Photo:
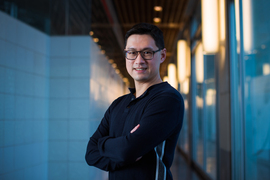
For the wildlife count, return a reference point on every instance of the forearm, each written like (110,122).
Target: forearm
(93,158)
(118,149)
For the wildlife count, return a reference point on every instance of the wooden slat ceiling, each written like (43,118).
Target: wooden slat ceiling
(109,20)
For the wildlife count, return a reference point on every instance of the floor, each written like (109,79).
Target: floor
(181,170)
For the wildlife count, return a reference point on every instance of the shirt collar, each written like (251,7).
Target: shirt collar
(133,90)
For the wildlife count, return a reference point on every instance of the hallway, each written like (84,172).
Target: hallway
(181,170)
(62,64)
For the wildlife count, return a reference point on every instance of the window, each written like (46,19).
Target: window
(251,89)
(204,112)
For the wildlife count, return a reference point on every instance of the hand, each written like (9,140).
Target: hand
(135,128)
(132,131)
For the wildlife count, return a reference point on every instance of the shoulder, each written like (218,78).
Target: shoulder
(164,94)
(120,99)
(165,101)
(166,90)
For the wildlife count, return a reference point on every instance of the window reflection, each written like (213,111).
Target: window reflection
(204,121)
(198,111)
(256,90)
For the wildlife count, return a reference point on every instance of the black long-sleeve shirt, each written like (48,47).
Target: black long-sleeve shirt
(159,111)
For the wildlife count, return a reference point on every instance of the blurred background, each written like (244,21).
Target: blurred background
(62,64)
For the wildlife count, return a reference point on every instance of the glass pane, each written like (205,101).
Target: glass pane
(236,103)
(57,17)
(204,121)
(183,139)
(198,130)
(36,14)
(210,115)
(256,41)
(199,127)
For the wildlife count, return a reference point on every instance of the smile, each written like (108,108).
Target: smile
(140,69)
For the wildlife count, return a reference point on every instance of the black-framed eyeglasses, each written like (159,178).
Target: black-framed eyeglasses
(146,54)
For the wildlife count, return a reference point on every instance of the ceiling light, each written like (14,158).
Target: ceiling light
(266,69)
(172,75)
(95,40)
(210,97)
(91,33)
(114,65)
(157,20)
(125,80)
(210,37)
(158,8)
(165,78)
(111,61)
(117,71)
(102,51)
(182,59)
(248,26)
(185,86)
(199,63)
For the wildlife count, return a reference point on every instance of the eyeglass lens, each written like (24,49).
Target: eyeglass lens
(133,54)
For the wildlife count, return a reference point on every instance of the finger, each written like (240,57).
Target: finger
(135,128)
(138,158)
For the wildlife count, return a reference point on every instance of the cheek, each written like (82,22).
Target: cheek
(128,65)
(154,66)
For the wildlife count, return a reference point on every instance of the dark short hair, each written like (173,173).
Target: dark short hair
(150,29)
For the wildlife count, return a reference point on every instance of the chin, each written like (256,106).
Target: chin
(141,79)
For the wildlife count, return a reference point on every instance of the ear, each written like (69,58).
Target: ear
(163,55)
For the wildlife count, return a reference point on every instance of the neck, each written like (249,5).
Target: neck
(141,87)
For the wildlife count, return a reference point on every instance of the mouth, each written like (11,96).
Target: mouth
(140,69)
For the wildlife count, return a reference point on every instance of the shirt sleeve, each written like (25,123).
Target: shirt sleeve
(163,117)
(93,156)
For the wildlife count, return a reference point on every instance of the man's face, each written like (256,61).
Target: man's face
(144,71)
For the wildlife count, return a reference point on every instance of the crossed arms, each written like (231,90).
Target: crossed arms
(162,117)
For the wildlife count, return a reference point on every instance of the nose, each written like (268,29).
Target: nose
(139,59)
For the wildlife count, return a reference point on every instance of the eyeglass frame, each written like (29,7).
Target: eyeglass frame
(137,53)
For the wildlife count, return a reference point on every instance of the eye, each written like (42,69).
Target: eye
(147,52)
(131,52)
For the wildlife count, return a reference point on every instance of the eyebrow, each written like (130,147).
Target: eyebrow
(146,48)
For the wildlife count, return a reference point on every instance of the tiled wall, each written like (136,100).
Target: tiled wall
(69,107)
(53,93)
(82,85)
(105,86)
(24,98)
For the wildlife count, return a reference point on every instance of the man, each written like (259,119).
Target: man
(136,139)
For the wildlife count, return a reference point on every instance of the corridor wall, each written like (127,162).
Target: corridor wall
(24,99)
(53,93)
(82,85)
